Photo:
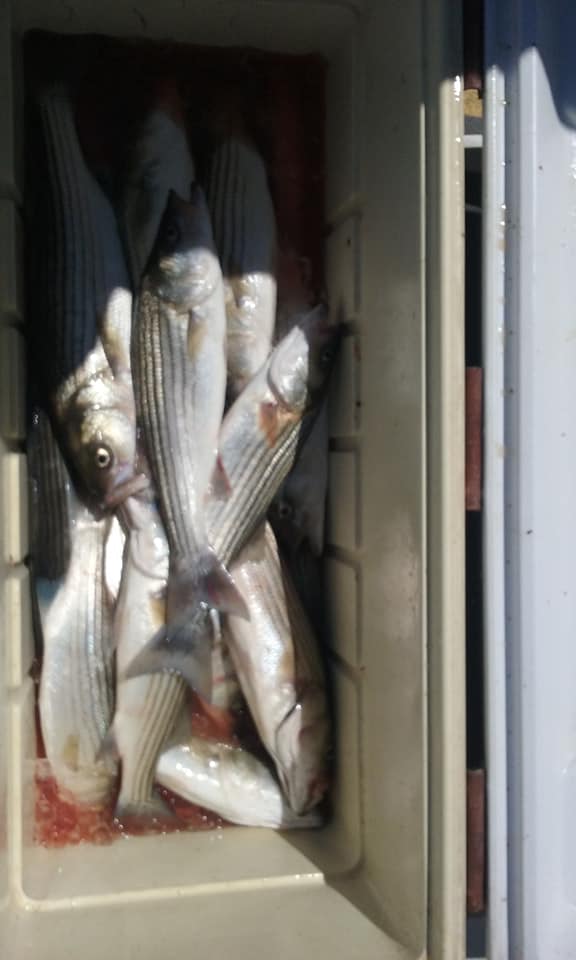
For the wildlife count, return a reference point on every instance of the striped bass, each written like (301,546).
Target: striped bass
(159,161)
(257,445)
(180,378)
(83,311)
(76,698)
(231,782)
(245,234)
(261,431)
(147,706)
(49,508)
(297,516)
(298,510)
(280,672)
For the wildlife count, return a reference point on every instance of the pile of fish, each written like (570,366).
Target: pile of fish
(167,429)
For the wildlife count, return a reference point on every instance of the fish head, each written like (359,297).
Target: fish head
(302,751)
(301,363)
(184,269)
(102,441)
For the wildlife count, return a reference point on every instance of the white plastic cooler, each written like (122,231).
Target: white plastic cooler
(386,878)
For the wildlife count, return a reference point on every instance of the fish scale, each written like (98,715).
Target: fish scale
(232,522)
(155,349)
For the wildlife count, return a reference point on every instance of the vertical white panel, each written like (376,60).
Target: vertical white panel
(540,394)
(493,336)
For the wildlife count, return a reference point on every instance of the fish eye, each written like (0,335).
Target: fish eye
(103,458)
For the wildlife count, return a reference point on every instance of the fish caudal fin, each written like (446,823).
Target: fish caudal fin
(185,649)
(307,821)
(219,590)
(207,582)
(131,812)
(108,750)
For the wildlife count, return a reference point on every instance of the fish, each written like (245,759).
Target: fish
(257,444)
(49,500)
(82,309)
(299,508)
(256,448)
(179,366)
(147,707)
(278,664)
(260,433)
(114,558)
(159,161)
(226,693)
(297,515)
(245,234)
(76,697)
(231,782)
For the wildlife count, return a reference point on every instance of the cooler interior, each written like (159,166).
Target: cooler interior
(359,886)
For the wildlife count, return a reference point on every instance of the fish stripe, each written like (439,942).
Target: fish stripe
(254,481)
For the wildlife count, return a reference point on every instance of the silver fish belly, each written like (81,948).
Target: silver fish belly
(245,234)
(280,672)
(229,781)
(76,688)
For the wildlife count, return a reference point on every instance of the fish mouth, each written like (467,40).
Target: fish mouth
(134,484)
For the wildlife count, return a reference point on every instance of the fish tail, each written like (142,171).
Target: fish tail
(108,750)
(135,812)
(311,820)
(218,589)
(207,582)
(183,648)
